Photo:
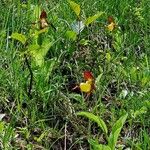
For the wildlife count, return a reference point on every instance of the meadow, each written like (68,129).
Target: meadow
(74,75)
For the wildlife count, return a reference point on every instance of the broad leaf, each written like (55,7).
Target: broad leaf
(20,37)
(84,42)
(1,126)
(108,57)
(112,140)
(96,146)
(48,67)
(75,7)
(39,52)
(91,19)
(34,51)
(140,112)
(34,16)
(77,97)
(40,31)
(45,47)
(96,119)
(71,35)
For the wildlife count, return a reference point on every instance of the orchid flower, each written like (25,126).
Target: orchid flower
(43,21)
(87,86)
(111,26)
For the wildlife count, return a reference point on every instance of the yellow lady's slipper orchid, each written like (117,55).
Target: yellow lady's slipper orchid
(88,86)
(85,87)
(111,26)
(111,23)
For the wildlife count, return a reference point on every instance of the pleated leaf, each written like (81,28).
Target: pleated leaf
(95,119)
(75,7)
(91,19)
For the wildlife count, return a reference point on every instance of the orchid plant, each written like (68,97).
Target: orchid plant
(88,86)
(111,23)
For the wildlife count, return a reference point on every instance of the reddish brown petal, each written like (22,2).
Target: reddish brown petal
(110,19)
(43,14)
(88,75)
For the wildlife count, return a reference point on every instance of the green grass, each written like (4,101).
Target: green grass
(45,117)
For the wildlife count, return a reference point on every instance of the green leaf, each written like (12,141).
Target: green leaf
(71,35)
(91,19)
(139,112)
(112,140)
(3,34)
(98,79)
(84,42)
(1,126)
(108,57)
(34,51)
(96,119)
(96,146)
(77,97)
(45,47)
(34,16)
(147,103)
(39,52)
(48,67)
(20,37)
(75,7)
(41,137)
(40,31)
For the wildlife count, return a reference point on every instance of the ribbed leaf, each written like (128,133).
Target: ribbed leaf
(71,35)
(112,140)
(77,97)
(1,126)
(108,57)
(96,119)
(96,146)
(20,37)
(75,7)
(91,19)
(39,52)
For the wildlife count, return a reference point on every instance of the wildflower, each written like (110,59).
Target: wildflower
(111,26)
(88,75)
(85,87)
(89,85)
(43,21)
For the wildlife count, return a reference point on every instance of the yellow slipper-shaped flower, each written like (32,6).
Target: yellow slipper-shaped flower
(111,26)
(111,23)
(85,87)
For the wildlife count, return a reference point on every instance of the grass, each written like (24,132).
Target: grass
(41,114)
